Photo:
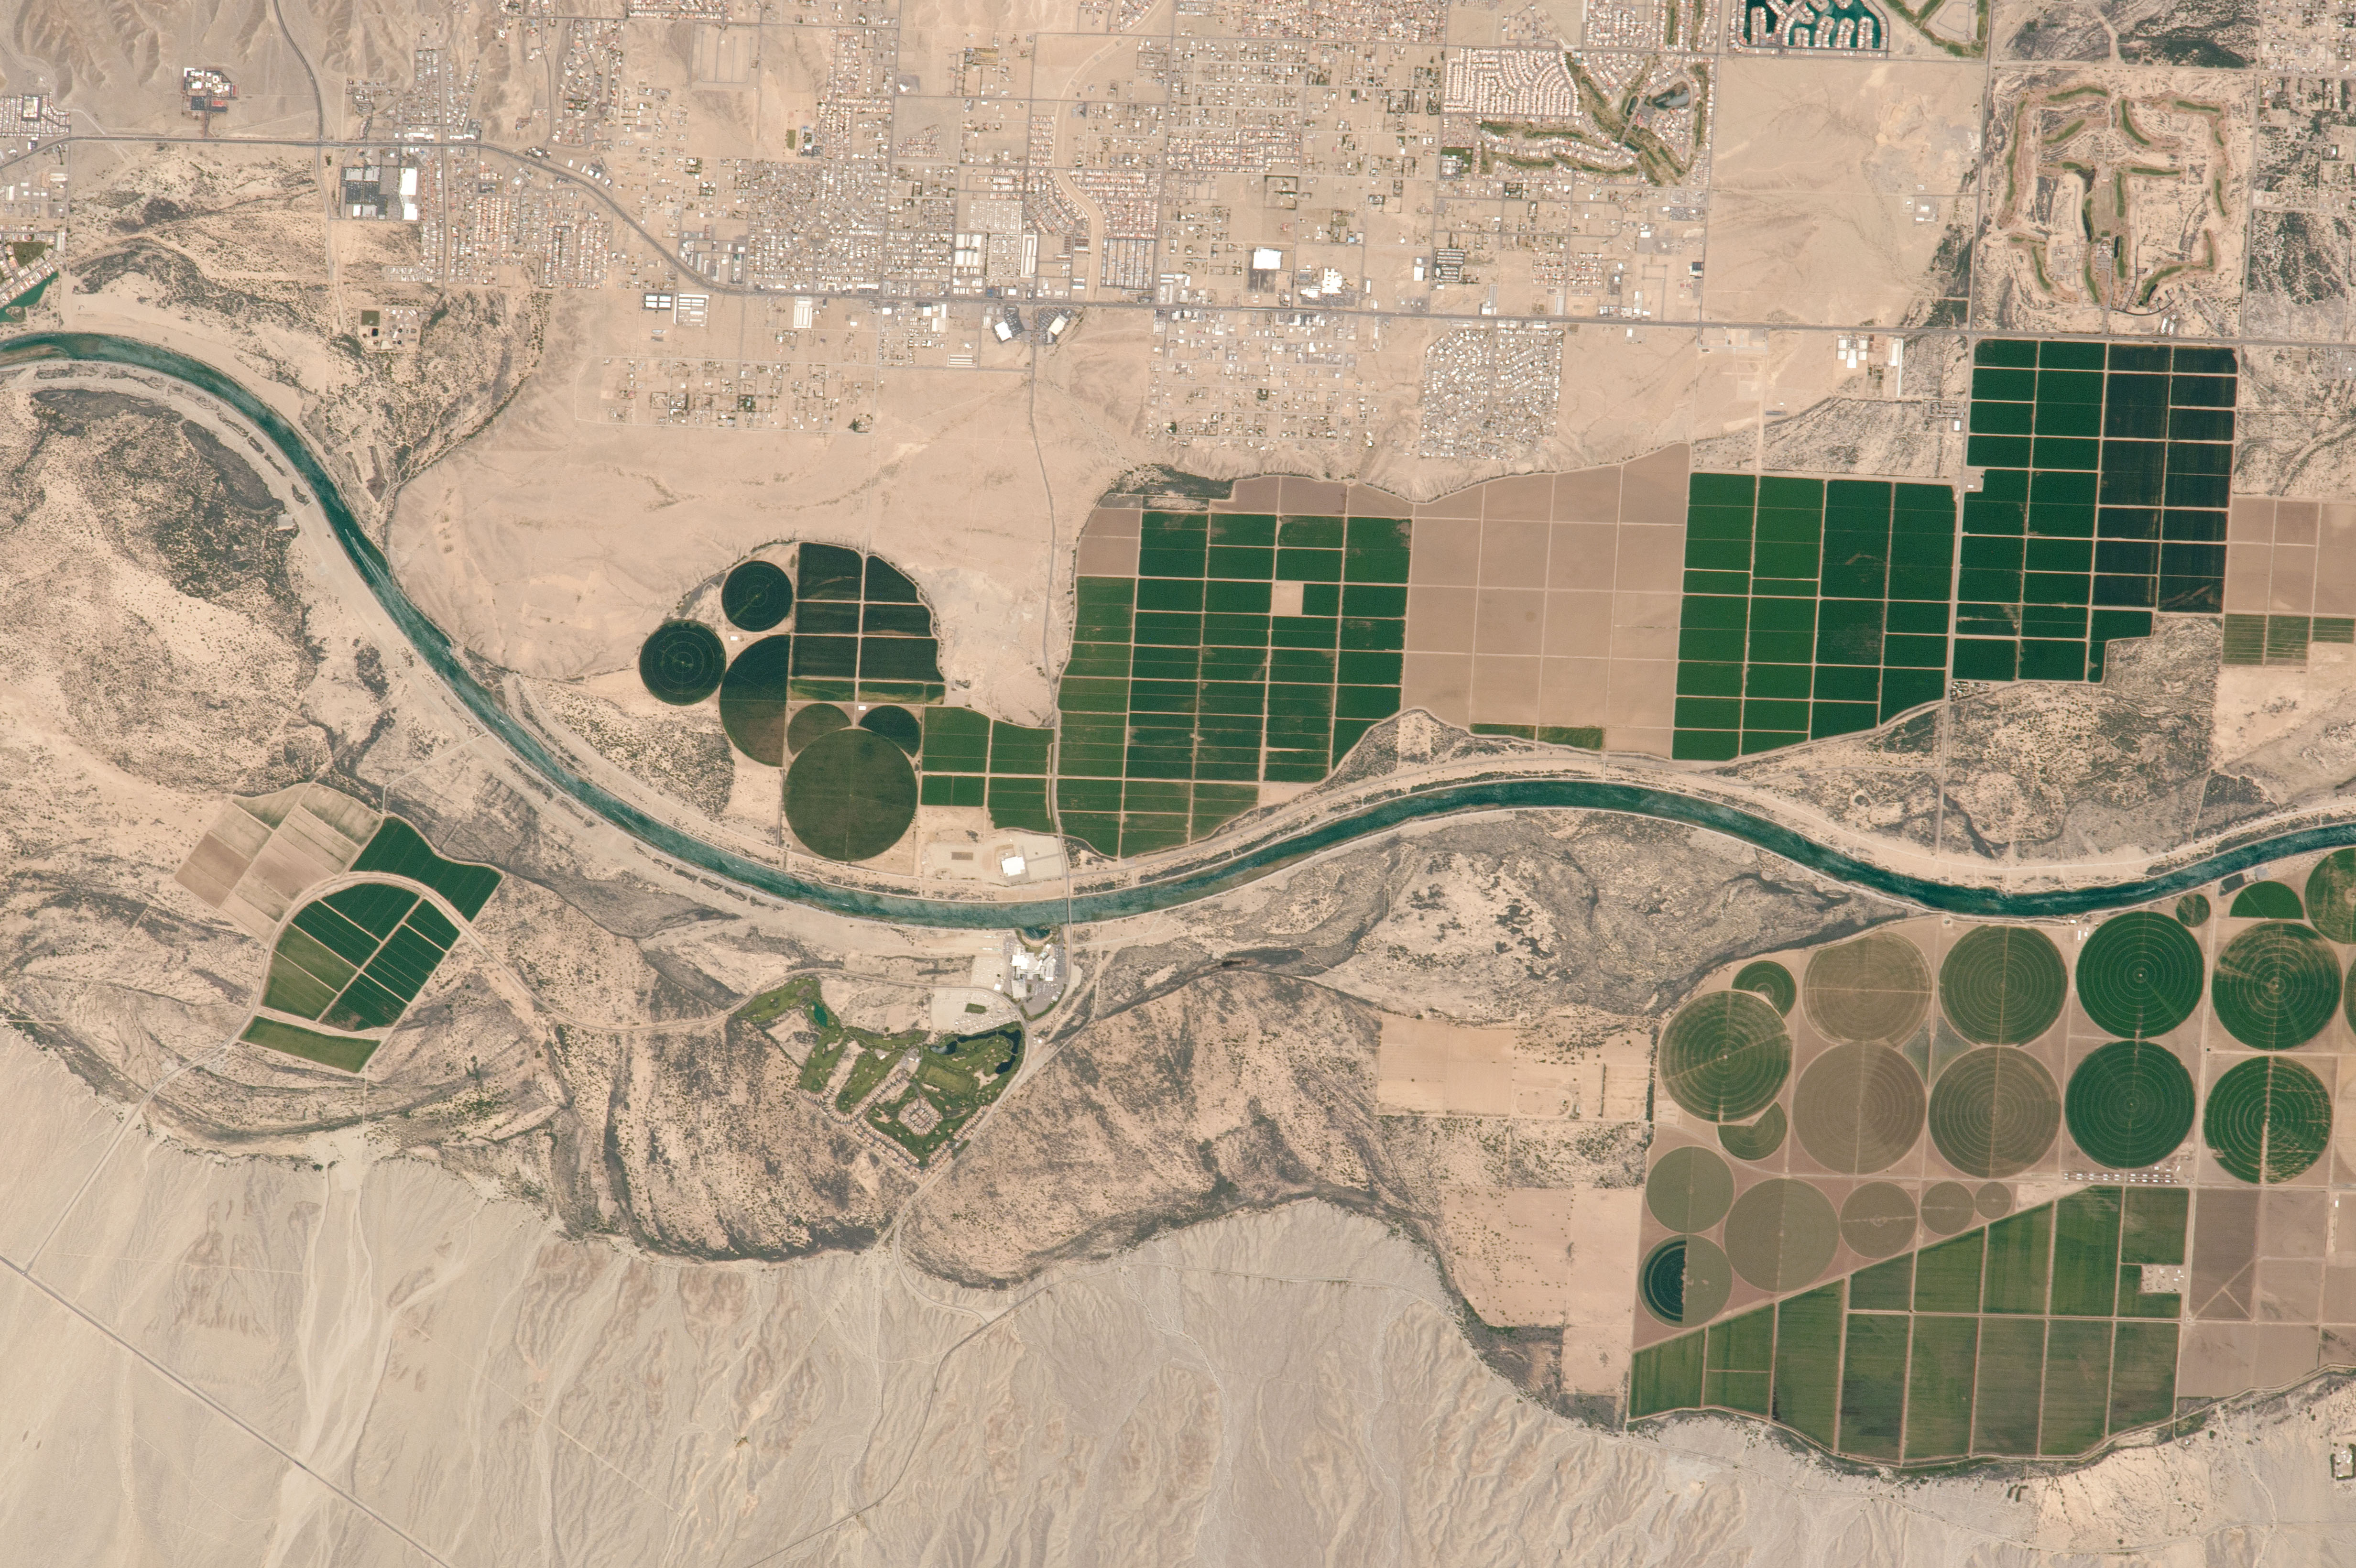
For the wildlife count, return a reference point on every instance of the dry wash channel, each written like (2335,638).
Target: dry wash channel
(1954,1189)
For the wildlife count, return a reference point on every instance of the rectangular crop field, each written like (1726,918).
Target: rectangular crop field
(2143,1374)
(1808,1363)
(2077,1385)
(1741,1361)
(1811,608)
(1666,1376)
(1884,1287)
(1947,1276)
(1192,685)
(2085,1252)
(327,1049)
(2104,500)
(1873,1385)
(2156,1219)
(293,990)
(1938,1386)
(2010,1385)
(2018,1250)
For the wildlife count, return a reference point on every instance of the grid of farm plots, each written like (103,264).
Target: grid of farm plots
(2032,1334)
(972,759)
(861,632)
(1247,648)
(2104,500)
(2258,1291)
(359,956)
(1811,608)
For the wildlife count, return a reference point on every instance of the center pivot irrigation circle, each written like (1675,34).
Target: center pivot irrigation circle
(1858,1107)
(1947,1207)
(1875,990)
(1755,1140)
(756,596)
(851,795)
(681,662)
(2268,1119)
(752,700)
(1769,979)
(2277,985)
(2331,895)
(1994,1112)
(1690,1189)
(1782,1233)
(1725,1056)
(2130,1104)
(1685,1280)
(1878,1219)
(2140,975)
(2003,984)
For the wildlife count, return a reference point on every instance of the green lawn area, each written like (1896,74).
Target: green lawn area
(957,1076)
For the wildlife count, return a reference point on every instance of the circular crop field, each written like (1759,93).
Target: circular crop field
(850,795)
(1690,1189)
(813,720)
(1878,1219)
(1755,1140)
(1947,1207)
(2268,900)
(1781,1235)
(2192,909)
(2140,975)
(2130,1104)
(1993,1201)
(756,596)
(752,700)
(2277,985)
(2003,984)
(1874,989)
(896,725)
(2331,895)
(1995,1110)
(1772,980)
(1685,1280)
(2268,1119)
(1858,1108)
(681,662)
(1725,1056)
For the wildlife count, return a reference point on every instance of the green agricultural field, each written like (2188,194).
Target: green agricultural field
(2077,1386)
(1807,1362)
(398,851)
(339,1052)
(2016,1340)
(2277,985)
(2130,1104)
(1755,1140)
(851,795)
(1667,1377)
(2010,1387)
(1725,1056)
(2140,974)
(1873,1385)
(2268,1119)
(1939,1387)
(2003,984)
(1772,980)
(1741,1362)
